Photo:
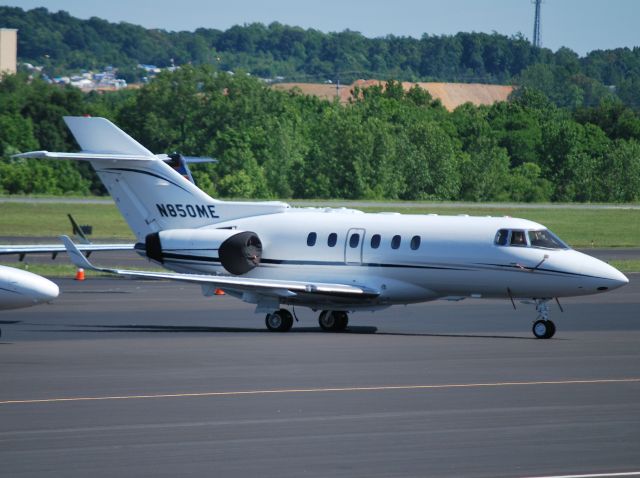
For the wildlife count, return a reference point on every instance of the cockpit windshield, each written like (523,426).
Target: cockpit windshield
(542,238)
(546,239)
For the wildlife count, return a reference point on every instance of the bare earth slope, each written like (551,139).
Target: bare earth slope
(451,95)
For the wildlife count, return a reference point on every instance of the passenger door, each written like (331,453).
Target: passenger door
(353,246)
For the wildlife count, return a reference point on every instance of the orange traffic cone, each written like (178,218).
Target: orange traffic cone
(80,274)
(219,292)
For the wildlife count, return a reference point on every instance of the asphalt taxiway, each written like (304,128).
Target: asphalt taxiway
(131,378)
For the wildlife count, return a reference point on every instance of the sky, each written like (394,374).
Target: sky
(582,25)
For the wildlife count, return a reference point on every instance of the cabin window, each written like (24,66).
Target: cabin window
(415,243)
(518,238)
(395,242)
(311,239)
(332,239)
(354,240)
(501,237)
(545,239)
(375,241)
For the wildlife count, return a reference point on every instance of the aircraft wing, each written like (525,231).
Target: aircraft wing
(55,249)
(51,248)
(280,288)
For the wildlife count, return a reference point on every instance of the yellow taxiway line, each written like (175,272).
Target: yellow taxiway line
(321,390)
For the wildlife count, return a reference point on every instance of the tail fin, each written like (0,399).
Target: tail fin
(151,195)
(99,135)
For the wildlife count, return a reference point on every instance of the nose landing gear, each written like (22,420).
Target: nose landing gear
(543,328)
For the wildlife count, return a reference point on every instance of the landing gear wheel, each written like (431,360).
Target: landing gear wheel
(327,320)
(342,320)
(279,321)
(333,321)
(552,329)
(544,329)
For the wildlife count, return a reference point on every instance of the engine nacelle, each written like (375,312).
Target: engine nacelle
(238,251)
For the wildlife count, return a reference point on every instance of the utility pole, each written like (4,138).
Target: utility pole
(536,24)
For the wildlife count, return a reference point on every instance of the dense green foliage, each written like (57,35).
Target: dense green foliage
(61,42)
(386,143)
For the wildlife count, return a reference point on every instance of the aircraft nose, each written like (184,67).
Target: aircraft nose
(613,278)
(598,276)
(618,278)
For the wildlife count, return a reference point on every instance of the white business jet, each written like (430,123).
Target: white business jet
(20,288)
(332,260)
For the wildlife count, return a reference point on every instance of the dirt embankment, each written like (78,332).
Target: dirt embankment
(451,95)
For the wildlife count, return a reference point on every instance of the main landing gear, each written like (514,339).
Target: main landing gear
(333,320)
(279,321)
(329,320)
(543,328)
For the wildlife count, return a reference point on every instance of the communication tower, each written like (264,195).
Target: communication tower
(536,24)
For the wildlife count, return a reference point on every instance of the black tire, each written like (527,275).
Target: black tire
(287,320)
(342,320)
(543,329)
(327,320)
(333,321)
(279,321)
(273,321)
(552,329)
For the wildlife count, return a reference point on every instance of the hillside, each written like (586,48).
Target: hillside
(451,95)
(61,42)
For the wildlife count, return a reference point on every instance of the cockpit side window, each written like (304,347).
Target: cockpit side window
(546,239)
(502,237)
(518,238)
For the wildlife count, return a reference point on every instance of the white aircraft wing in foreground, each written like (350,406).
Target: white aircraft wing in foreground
(334,260)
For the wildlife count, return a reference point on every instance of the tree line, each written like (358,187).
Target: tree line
(386,143)
(62,43)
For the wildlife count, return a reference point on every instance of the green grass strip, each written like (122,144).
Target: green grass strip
(580,228)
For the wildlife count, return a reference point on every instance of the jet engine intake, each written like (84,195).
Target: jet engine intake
(237,251)
(241,253)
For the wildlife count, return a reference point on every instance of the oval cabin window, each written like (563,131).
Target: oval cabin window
(311,239)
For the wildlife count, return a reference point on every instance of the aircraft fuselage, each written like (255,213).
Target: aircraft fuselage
(409,258)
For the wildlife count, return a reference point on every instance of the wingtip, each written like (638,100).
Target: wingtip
(77,257)
(31,154)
